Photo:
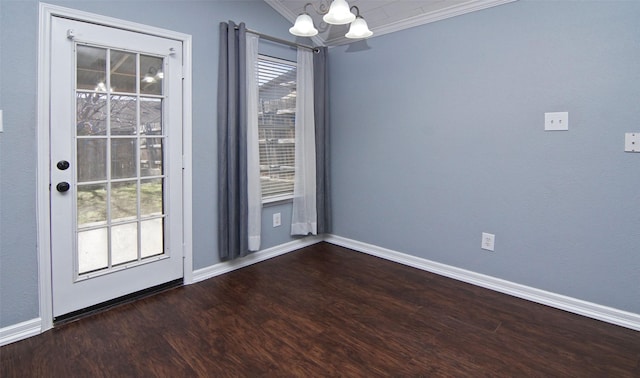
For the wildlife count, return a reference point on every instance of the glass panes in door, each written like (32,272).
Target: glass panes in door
(119,155)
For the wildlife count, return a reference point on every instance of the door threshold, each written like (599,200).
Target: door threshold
(101,307)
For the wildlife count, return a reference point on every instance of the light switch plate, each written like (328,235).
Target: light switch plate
(632,142)
(556,121)
(1,127)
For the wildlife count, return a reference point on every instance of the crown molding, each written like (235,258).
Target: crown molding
(422,19)
(427,18)
(284,11)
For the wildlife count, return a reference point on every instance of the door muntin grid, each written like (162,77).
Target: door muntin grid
(120,176)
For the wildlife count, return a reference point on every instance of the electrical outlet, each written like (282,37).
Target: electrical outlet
(557,121)
(632,142)
(277,220)
(488,241)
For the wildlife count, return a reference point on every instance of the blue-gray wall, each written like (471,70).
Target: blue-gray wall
(437,136)
(18,86)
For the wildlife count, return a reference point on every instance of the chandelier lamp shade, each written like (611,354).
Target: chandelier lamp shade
(303,26)
(338,13)
(358,28)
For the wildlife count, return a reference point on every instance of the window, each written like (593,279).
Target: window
(276,127)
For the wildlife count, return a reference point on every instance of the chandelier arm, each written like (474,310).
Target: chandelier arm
(357,10)
(322,9)
(322,26)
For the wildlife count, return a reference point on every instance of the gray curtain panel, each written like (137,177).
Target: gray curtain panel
(321,110)
(232,143)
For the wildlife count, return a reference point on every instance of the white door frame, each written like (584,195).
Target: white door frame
(47,12)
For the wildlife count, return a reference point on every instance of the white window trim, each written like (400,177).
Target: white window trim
(277,199)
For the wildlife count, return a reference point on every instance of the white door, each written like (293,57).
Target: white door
(116,163)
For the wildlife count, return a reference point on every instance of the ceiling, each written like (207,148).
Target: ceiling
(382,16)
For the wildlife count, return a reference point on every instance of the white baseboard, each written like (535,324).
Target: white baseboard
(20,331)
(577,306)
(228,266)
(611,315)
(33,327)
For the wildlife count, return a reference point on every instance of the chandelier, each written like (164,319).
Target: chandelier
(338,13)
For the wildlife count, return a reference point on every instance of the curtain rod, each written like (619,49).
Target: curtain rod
(282,41)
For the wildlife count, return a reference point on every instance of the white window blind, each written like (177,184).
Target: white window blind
(276,127)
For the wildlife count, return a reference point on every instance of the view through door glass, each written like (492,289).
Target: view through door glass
(120,139)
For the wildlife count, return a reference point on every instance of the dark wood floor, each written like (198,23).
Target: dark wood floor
(328,311)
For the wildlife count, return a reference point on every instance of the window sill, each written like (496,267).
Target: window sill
(277,200)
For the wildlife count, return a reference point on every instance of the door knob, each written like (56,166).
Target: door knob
(62,165)
(63,187)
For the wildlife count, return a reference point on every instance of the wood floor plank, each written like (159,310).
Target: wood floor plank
(328,311)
